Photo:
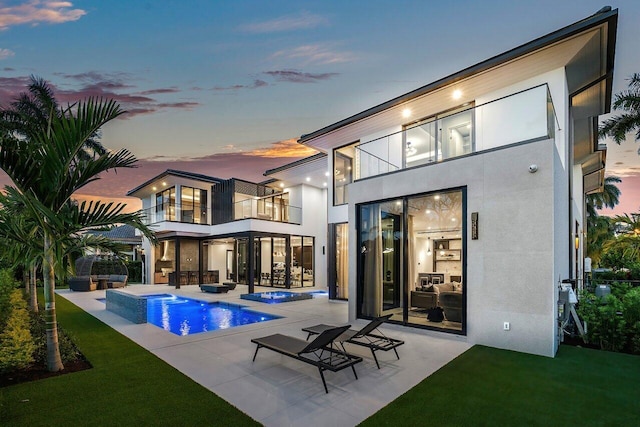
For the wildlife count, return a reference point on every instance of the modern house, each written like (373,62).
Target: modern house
(213,230)
(465,194)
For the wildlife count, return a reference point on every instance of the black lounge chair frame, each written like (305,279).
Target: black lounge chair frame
(364,337)
(319,352)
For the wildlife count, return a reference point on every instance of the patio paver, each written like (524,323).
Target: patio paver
(277,390)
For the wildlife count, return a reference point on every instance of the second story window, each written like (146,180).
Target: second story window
(343,169)
(193,207)
(440,137)
(165,205)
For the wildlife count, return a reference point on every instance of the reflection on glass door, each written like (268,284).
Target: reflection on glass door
(380,263)
(390,261)
(278,267)
(242,251)
(342,260)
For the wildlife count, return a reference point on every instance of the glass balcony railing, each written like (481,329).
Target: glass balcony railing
(523,116)
(189,214)
(267,210)
(250,208)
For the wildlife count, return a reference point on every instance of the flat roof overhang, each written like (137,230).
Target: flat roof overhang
(572,46)
(310,171)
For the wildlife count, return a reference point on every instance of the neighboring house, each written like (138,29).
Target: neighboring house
(476,180)
(125,235)
(465,194)
(216,230)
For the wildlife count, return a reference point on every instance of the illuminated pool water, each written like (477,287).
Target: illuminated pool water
(186,316)
(275,297)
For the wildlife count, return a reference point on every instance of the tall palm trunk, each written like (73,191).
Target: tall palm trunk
(54,362)
(33,290)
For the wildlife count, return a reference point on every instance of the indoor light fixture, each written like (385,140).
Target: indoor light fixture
(410,150)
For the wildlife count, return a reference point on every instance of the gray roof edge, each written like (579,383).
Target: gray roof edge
(178,173)
(600,17)
(295,163)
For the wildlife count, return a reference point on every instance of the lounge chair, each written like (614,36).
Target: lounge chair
(319,352)
(363,337)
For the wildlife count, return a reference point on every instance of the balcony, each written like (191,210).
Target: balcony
(265,209)
(268,210)
(186,214)
(523,116)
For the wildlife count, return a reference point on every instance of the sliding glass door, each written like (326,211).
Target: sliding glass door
(412,260)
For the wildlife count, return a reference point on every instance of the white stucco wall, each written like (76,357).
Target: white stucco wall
(511,267)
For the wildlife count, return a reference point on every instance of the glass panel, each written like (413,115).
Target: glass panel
(380,258)
(243,260)
(455,136)
(420,145)
(342,261)
(266,253)
(307,262)
(343,173)
(279,256)
(296,261)
(434,226)
(186,201)
(217,260)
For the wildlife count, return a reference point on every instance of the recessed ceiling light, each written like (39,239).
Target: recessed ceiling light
(324,184)
(436,197)
(453,219)
(326,173)
(406,113)
(308,179)
(398,203)
(282,185)
(154,188)
(428,211)
(457,94)
(164,183)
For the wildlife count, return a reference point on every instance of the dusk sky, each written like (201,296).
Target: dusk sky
(225,88)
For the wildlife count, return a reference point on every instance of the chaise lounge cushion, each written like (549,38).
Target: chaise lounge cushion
(117,280)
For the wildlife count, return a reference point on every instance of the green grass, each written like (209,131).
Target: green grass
(487,386)
(126,386)
(484,386)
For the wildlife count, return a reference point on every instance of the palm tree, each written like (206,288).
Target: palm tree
(599,234)
(44,155)
(608,198)
(628,239)
(628,101)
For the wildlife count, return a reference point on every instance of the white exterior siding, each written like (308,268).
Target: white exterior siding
(510,268)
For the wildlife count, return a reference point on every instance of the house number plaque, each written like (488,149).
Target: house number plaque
(474,225)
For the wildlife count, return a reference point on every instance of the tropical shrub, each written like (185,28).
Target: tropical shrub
(135,271)
(631,310)
(7,285)
(68,350)
(606,326)
(16,343)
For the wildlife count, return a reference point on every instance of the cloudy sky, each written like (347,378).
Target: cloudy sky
(225,88)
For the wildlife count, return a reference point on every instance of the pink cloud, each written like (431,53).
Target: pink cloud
(94,84)
(36,12)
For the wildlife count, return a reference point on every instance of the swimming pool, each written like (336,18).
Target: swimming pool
(275,297)
(186,316)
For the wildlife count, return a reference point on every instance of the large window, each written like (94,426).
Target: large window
(343,168)
(193,205)
(411,260)
(442,136)
(165,205)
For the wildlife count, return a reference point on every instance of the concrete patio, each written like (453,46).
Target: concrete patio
(277,390)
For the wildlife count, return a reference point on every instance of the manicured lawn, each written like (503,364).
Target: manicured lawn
(486,386)
(127,386)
